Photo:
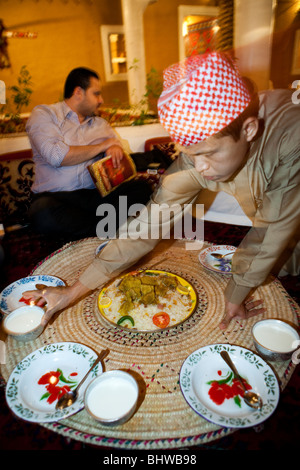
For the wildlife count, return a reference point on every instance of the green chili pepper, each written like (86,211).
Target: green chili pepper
(126,317)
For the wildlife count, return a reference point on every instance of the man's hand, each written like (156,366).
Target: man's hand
(55,298)
(249,308)
(116,152)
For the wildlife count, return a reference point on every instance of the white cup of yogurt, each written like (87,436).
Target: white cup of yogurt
(24,323)
(112,397)
(275,339)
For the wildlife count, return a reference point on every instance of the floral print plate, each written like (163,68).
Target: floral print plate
(222,266)
(11,296)
(38,381)
(211,390)
(101,246)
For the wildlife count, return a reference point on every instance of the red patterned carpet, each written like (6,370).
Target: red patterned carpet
(280,432)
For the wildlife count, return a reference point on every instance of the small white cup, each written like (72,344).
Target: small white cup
(24,323)
(112,397)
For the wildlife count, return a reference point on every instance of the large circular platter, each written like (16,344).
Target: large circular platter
(174,300)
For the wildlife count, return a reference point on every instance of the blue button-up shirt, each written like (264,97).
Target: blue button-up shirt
(52,129)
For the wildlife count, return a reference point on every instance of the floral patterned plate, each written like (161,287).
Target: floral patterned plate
(10,297)
(37,382)
(101,246)
(222,266)
(211,390)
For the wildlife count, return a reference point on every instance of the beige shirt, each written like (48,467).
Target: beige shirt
(267,188)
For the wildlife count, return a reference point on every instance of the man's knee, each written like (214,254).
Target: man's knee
(41,214)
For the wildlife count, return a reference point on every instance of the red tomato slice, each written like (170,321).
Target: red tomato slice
(161,319)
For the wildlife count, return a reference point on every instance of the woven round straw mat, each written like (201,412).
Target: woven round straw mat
(163,419)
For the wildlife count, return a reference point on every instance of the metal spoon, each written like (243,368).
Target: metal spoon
(220,256)
(252,399)
(70,397)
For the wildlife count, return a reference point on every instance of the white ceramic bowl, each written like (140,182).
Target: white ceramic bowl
(112,397)
(275,340)
(24,323)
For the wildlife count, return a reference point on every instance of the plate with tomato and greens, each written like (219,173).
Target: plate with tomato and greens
(147,300)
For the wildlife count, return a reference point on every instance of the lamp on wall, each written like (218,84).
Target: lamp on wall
(4,36)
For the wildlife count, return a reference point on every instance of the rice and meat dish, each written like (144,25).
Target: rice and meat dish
(147,300)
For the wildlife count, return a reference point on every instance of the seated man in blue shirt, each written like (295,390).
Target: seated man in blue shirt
(66,138)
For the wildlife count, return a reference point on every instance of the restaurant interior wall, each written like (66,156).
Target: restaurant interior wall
(161,31)
(165,12)
(287,23)
(68,36)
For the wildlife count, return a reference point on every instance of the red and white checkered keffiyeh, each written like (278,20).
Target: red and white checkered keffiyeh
(201,96)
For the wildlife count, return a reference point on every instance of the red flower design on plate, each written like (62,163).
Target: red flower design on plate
(226,389)
(26,301)
(56,385)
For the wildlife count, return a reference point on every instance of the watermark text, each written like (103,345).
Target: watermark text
(154,221)
(296,94)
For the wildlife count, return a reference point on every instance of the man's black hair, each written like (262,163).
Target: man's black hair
(78,77)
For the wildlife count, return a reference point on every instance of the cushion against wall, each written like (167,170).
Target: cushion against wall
(164,145)
(144,160)
(157,149)
(16,179)
(154,141)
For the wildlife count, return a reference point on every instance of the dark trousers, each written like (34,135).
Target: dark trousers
(73,213)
